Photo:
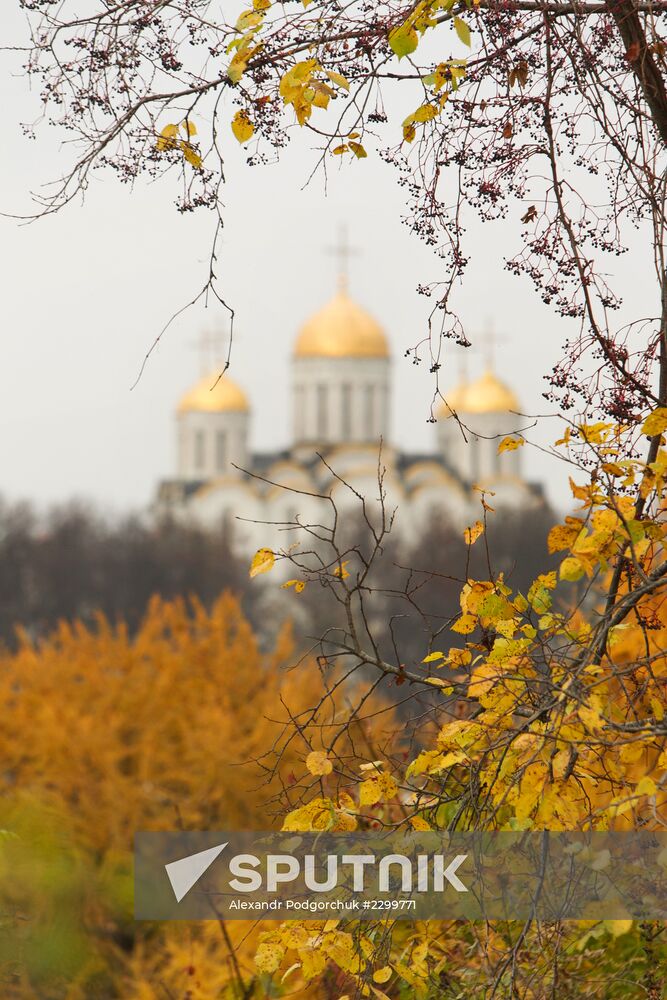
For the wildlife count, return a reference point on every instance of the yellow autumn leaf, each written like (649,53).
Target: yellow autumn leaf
(433,656)
(465,624)
(358,150)
(237,68)
(299,585)
(249,19)
(618,927)
(167,138)
(646,786)
(268,957)
(471,534)
(403,40)
(439,683)
(338,79)
(595,433)
(371,765)
(510,443)
(459,657)
(563,536)
(425,113)
(242,127)
(409,132)
(263,561)
(571,569)
(318,814)
(378,788)
(318,763)
(384,974)
(191,154)
(462,30)
(656,422)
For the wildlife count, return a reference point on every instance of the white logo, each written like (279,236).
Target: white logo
(186,871)
(431,872)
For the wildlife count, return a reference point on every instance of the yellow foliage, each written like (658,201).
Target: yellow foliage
(242,127)
(656,422)
(471,534)
(318,763)
(380,787)
(105,735)
(510,444)
(263,561)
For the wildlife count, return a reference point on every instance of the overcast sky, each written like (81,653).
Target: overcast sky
(86,291)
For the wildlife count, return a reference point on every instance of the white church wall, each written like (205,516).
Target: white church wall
(340,399)
(471,450)
(210,444)
(230,504)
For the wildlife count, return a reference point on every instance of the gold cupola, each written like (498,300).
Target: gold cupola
(341,329)
(214,394)
(488,394)
(452,402)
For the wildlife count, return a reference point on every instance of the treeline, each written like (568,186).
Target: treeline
(72,563)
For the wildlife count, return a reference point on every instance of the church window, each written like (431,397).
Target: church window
(221,451)
(299,408)
(346,411)
(369,406)
(497,462)
(474,458)
(322,422)
(199,450)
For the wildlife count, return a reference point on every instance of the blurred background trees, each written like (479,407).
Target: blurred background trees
(105,735)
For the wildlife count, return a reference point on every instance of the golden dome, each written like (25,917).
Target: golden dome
(452,401)
(213,394)
(342,329)
(488,395)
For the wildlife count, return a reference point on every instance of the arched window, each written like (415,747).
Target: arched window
(346,411)
(322,414)
(369,411)
(221,451)
(299,410)
(200,451)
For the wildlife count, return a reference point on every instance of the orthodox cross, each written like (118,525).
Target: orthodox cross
(212,345)
(488,340)
(343,251)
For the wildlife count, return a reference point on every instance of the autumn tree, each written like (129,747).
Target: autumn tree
(553,116)
(186,725)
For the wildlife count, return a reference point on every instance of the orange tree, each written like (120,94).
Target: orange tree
(105,735)
(552,114)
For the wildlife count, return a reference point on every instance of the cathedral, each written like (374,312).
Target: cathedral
(341,398)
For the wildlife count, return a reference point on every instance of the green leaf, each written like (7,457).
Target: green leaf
(248,19)
(462,30)
(403,40)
